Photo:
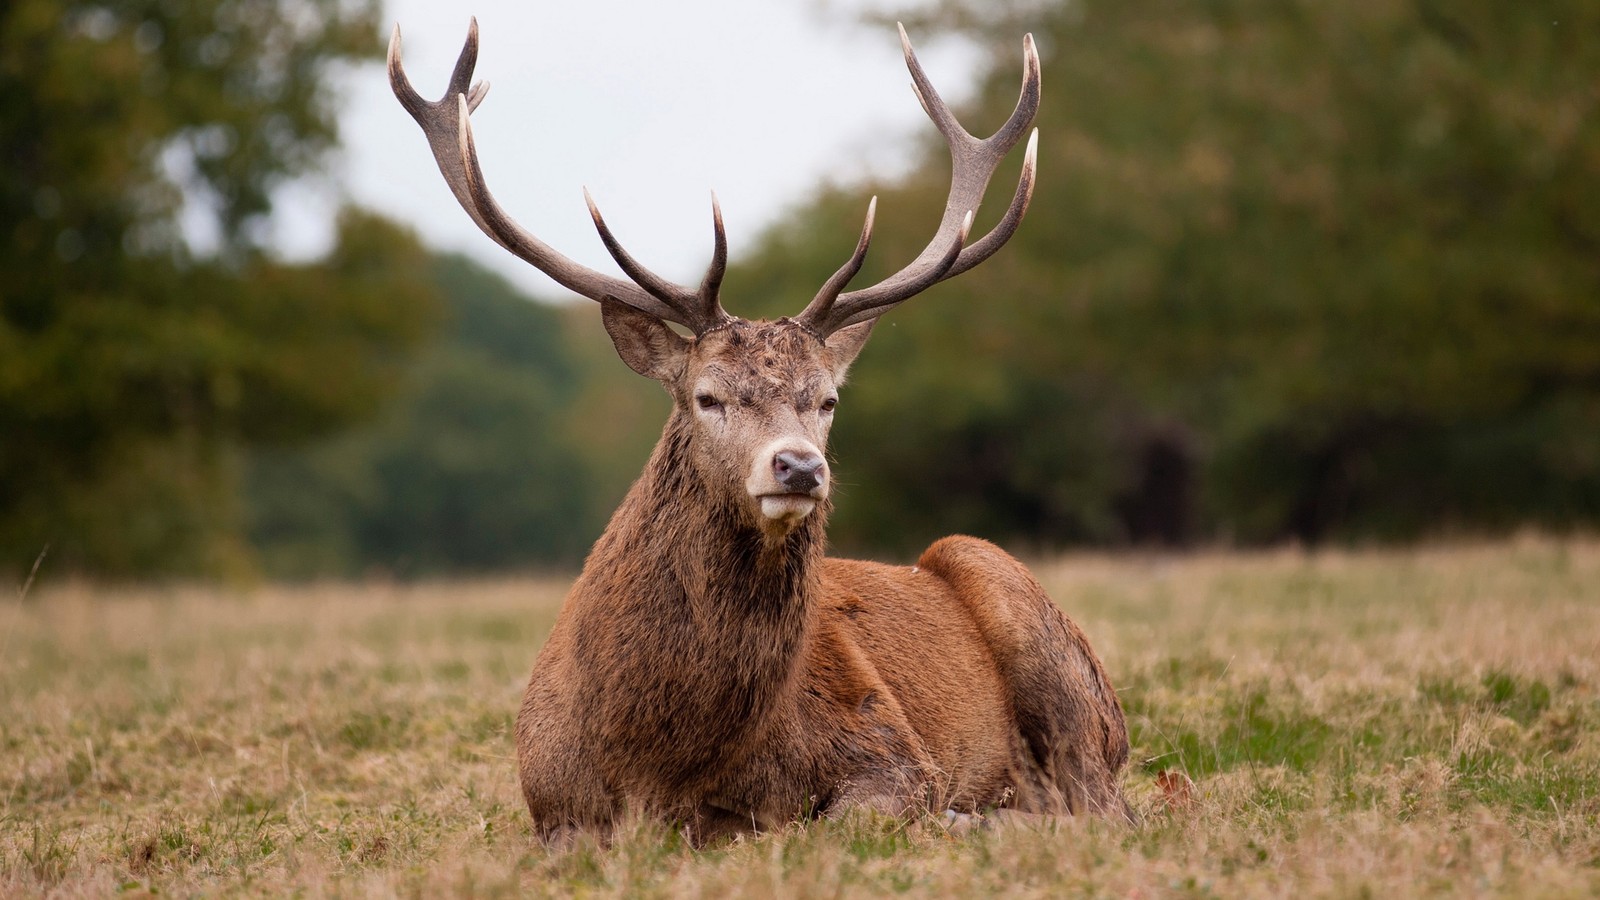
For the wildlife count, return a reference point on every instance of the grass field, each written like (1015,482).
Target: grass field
(1369,723)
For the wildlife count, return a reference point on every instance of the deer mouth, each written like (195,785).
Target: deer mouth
(791,507)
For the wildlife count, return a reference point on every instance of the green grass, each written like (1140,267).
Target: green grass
(1374,723)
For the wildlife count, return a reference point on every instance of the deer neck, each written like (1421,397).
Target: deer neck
(719,561)
(689,622)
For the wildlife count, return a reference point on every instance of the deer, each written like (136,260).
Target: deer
(712,668)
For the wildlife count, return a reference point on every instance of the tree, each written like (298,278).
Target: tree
(472,467)
(131,366)
(1293,269)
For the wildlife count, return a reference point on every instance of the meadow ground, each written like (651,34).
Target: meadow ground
(1419,722)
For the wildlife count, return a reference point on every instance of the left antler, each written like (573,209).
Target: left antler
(448,127)
(973,163)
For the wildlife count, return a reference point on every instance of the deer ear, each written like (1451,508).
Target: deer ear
(844,344)
(644,342)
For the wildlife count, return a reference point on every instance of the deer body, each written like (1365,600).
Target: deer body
(711,667)
(700,674)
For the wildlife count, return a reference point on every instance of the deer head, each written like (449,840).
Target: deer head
(753,399)
(754,402)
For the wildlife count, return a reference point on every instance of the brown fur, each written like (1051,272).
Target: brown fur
(712,668)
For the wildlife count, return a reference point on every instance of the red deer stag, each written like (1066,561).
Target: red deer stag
(711,668)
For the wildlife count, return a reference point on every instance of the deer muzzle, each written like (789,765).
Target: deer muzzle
(788,479)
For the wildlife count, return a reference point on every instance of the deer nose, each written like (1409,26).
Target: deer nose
(798,472)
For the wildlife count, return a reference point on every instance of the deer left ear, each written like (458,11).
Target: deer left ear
(844,344)
(644,342)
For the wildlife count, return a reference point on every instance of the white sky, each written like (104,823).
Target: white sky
(651,105)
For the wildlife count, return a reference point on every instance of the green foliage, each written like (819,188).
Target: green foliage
(1294,268)
(131,367)
(1252,734)
(471,468)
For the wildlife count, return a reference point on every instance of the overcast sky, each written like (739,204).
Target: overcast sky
(651,105)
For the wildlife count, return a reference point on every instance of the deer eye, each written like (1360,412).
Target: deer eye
(829,404)
(707,402)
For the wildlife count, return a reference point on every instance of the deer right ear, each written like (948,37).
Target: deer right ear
(844,344)
(644,342)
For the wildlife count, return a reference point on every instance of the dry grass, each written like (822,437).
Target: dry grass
(1381,722)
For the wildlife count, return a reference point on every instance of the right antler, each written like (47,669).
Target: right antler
(447,124)
(973,163)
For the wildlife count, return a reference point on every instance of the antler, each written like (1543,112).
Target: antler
(973,163)
(447,124)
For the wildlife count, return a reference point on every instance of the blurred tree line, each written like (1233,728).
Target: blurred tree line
(508,444)
(1293,270)
(133,369)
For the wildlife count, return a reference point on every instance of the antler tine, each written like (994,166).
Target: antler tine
(817,311)
(434,117)
(973,163)
(1027,102)
(711,285)
(872,307)
(985,247)
(687,305)
(932,103)
(460,76)
(446,123)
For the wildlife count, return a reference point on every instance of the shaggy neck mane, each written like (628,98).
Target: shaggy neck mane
(689,621)
(724,565)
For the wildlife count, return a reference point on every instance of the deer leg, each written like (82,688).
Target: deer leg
(890,785)
(1066,709)
(1010,819)
(711,825)
(883,804)
(877,762)
(565,792)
